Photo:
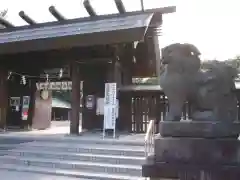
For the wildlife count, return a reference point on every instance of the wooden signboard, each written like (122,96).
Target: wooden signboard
(64,85)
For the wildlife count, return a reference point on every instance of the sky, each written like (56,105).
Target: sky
(211,25)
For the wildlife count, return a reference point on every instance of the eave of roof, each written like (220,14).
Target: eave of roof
(87,31)
(101,32)
(78,28)
(162,10)
(129,88)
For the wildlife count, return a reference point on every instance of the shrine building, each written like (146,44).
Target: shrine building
(79,55)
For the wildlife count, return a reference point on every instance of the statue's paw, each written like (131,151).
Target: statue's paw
(203,116)
(170,117)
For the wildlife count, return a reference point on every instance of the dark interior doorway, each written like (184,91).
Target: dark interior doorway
(94,76)
(19,97)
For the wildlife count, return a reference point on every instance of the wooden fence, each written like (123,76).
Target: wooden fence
(137,108)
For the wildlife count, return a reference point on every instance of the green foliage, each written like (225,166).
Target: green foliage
(235,62)
(146,81)
(3,14)
(63,95)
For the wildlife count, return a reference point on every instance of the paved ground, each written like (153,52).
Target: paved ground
(60,129)
(9,175)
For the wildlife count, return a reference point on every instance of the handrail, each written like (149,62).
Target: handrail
(149,128)
(149,138)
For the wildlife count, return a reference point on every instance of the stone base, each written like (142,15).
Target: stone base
(199,129)
(178,171)
(197,151)
(193,157)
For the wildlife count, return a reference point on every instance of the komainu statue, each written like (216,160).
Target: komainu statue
(209,90)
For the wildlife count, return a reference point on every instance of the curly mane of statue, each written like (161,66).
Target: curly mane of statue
(209,90)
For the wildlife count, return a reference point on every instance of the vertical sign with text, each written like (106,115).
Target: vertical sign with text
(110,105)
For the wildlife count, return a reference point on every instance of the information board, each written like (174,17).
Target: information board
(110,108)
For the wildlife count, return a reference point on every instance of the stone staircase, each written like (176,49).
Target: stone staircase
(84,159)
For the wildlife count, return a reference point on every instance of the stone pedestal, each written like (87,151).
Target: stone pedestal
(199,129)
(195,151)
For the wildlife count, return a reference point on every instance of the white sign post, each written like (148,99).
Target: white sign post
(110,108)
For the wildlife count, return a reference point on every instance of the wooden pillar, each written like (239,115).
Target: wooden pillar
(3,97)
(31,109)
(42,110)
(125,98)
(114,72)
(154,52)
(74,121)
(157,52)
(127,64)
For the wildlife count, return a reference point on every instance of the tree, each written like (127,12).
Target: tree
(235,62)
(3,14)
(63,95)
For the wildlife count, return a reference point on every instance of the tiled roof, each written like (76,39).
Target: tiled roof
(78,28)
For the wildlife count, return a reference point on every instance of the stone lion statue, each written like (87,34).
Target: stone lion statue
(210,91)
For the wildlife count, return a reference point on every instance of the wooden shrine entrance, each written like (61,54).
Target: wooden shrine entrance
(97,49)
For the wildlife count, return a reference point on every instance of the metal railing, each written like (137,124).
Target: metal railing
(149,138)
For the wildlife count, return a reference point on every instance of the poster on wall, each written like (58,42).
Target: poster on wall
(90,101)
(100,106)
(25,107)
(15,103)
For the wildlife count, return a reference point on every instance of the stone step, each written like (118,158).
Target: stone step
(15,175)
(99,158)
(132,170)
(68,173)
(68,147)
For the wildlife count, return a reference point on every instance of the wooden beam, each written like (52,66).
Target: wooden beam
(26,18)
(126,60)
(142,5)
(57,58)
(32,101)
(89,8)
(3,97)
(120,6)
(6,23)
(157,49)
(56,13)
(153,48)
